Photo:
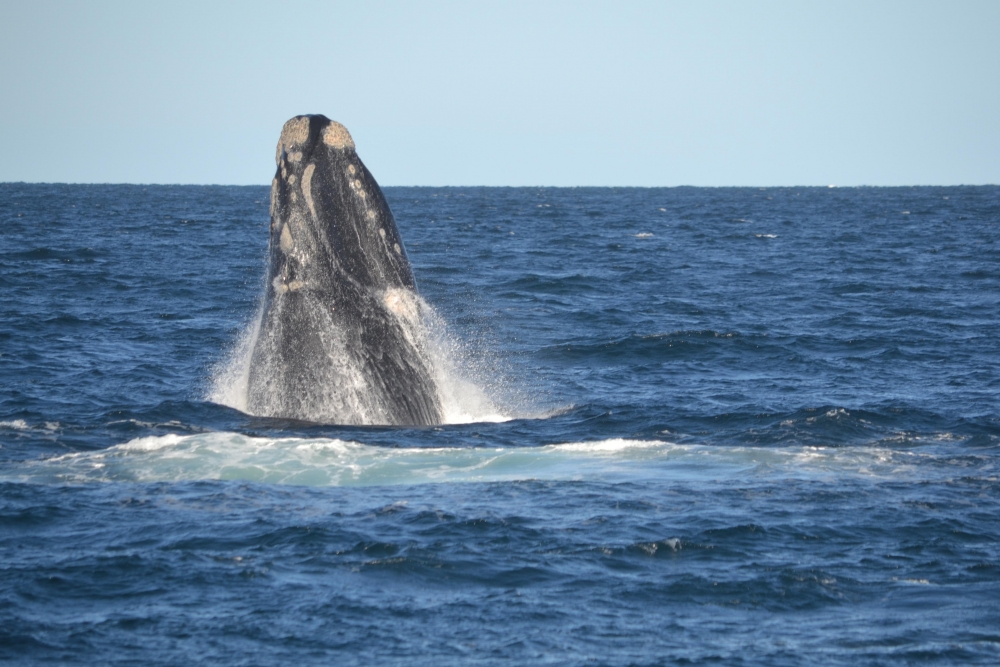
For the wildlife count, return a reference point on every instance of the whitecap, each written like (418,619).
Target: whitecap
(225,456)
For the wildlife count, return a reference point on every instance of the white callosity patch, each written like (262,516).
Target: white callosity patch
(336,135)
(359,189)
(275,220)
(287,243)
(294,133)
(307,176)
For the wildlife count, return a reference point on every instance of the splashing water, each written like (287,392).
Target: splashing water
(461,397)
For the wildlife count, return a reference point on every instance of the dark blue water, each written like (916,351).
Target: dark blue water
(746,426)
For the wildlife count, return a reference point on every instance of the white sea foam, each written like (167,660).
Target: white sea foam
(614,445)
(335,462)
(15,424)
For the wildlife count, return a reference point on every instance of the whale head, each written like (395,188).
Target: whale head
(341,337)
(330,220)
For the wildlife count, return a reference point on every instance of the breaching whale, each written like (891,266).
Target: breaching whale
(341,338)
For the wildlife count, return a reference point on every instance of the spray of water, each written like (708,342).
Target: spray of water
(457,378)
(231,376)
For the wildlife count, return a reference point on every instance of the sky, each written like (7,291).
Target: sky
(507,93)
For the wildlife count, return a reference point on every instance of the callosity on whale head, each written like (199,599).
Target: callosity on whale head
(341,337)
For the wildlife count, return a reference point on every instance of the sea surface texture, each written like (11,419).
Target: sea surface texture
(717,426)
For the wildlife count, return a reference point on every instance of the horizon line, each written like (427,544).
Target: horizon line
(566,187)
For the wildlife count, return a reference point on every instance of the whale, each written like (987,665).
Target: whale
(341,337)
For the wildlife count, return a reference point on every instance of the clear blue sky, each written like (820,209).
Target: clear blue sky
(507,93)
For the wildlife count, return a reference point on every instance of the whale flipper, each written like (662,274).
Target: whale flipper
(341,339)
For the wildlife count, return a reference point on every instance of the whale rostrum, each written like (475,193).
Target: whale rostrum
(341,337)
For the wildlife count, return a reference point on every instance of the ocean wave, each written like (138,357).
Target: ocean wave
(22,425)
(334,462)
(648,348)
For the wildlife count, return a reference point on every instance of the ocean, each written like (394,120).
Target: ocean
(740,426)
